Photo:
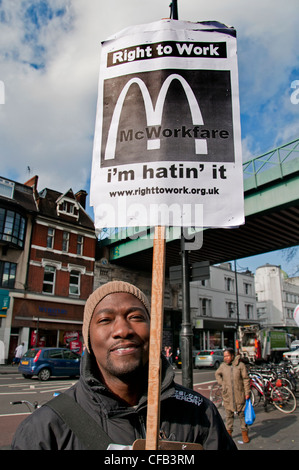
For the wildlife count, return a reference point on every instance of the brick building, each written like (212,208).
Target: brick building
(18,210)
(59,278)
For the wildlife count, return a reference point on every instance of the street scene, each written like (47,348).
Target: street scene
(272,429)
(149,213)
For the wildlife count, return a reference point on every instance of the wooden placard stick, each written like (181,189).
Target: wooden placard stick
(152,441)
(156,330)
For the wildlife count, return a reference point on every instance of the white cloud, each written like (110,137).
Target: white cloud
(50,67)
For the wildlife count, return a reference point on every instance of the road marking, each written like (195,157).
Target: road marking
(18,393)
(204,383)
(37,388)
(11,385)
(37,384)
(54,389)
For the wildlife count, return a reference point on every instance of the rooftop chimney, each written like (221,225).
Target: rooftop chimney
(81,197)
(32,183)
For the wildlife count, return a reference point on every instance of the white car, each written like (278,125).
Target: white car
(292,356)
(209,358)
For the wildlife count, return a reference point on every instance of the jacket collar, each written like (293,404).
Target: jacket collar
(236,360)
(90,376)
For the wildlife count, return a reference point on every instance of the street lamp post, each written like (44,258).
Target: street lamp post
(174,10)
(186,330)
(237,295)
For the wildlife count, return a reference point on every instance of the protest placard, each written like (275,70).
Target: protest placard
(167,147)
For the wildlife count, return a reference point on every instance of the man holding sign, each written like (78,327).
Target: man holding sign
(113,384)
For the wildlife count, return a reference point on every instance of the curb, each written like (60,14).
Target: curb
(8,370)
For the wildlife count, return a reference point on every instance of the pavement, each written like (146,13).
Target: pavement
(272,429)
(8,369)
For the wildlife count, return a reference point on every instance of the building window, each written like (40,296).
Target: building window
(204,306)
(68,207)
(231,309)
(49,279)
(74,288)
(6,188)
(247,288)
(290,313)
(79,245)
(7,274)
(65,241)
(229,284)
(50,237)
(12,227)
(249,311)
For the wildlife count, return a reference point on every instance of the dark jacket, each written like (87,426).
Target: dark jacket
(186,416)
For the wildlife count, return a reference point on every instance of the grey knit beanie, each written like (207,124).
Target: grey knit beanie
(112,287)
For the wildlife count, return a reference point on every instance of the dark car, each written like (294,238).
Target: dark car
(47,362)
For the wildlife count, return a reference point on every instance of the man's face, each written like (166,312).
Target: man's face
(119,335)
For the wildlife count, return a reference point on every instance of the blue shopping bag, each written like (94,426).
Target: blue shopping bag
(249,413)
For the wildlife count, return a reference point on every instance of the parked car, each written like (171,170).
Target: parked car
(292,356)
(209,358)
(178,358)
(295,345)
(194,354)
(47,362)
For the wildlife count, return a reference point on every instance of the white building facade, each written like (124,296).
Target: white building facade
(219,304)
(277,297)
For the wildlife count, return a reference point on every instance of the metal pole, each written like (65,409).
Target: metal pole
(237,295)
(186,330)
(174,10)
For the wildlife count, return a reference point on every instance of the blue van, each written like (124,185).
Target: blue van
(47,362)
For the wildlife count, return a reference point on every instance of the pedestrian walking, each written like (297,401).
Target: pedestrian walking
(168,354)
(19,351)
(233,377)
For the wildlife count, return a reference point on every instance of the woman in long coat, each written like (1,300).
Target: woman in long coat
(233,377)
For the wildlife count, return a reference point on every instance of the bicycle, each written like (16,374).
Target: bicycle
(216,395)
(283,371)
(31,406)
(256,389)
(265,389)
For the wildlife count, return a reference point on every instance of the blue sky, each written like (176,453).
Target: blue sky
(278,258)
(49,64)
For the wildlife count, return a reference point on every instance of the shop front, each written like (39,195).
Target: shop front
(46,323)
(214,334)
